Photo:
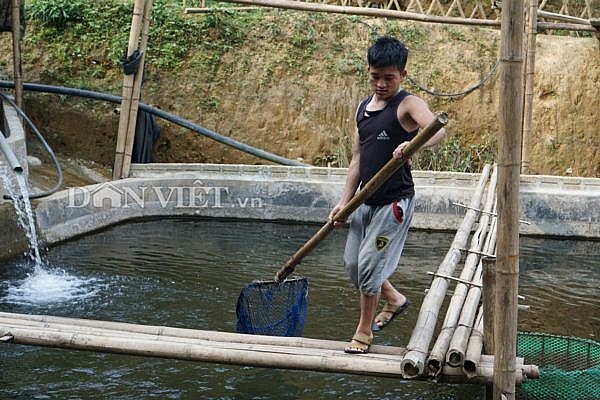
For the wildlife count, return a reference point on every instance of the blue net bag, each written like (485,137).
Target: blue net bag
(274,309)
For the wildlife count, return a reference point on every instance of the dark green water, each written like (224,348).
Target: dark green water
(188,273)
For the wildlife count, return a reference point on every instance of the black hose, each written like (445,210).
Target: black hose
(46,146)
(36,87)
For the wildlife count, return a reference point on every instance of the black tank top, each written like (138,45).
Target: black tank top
(379,134)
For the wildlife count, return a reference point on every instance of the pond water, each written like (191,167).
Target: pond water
(188,273)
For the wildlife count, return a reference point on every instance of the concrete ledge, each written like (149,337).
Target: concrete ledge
(554,206)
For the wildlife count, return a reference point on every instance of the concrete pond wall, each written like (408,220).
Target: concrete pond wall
(12,238)
(550,206)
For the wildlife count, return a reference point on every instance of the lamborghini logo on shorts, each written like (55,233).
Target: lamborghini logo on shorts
(381,242)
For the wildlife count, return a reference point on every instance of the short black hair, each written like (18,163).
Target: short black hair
(387,51)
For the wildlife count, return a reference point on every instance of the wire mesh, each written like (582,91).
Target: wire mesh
(569,367)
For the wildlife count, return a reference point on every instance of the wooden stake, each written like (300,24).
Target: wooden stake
(509,163)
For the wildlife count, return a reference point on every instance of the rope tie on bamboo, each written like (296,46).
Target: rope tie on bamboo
(480,253)
(511,59)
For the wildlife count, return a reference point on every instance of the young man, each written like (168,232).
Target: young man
(386,122)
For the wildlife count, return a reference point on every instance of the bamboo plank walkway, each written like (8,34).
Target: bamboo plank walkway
(457,354)
(214,347)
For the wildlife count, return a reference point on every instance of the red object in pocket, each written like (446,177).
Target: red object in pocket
(398,212)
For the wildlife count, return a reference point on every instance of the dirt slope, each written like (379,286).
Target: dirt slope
(300,104)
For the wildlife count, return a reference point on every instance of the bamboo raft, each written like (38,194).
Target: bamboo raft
(218,347)
(461,353)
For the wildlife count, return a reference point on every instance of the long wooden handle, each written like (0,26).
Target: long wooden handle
(367,190)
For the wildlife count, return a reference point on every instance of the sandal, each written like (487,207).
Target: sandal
(381,322)
(361,346)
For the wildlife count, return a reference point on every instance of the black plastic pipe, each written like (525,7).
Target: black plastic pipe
(40,137)
(36,87)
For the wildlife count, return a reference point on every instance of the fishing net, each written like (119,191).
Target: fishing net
(274,309)
(569,367)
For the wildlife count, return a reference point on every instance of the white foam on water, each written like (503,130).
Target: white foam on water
(50,286)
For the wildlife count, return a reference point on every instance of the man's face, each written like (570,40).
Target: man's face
(385,81)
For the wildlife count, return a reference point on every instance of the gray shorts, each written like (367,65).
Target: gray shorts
(375,241)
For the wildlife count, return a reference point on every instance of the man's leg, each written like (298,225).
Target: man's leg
(368,307)
(391,295)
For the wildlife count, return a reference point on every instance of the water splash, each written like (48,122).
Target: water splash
(17,190)
(43,285)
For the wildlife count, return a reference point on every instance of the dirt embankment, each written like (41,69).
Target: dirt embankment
(303,108)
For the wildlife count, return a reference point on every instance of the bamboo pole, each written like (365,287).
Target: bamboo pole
(92,335)
(179,334)
(265,356)
(366,11)
(473,353)
(410,16)
(458,345)
(137,88)
(202,10)
(529,80)
(16,41)
(560,17)
(413,363)
(369,188)
(509,160)
(468,313)
(127,96)
(440,348)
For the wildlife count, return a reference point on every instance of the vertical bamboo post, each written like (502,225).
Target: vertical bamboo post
(126,98)
(529,80)
(16,39)
(509,159)
(488,296)
(137,88)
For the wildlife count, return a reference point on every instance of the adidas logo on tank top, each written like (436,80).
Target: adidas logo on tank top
(383,136)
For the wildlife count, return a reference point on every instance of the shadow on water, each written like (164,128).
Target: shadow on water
(188,273)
